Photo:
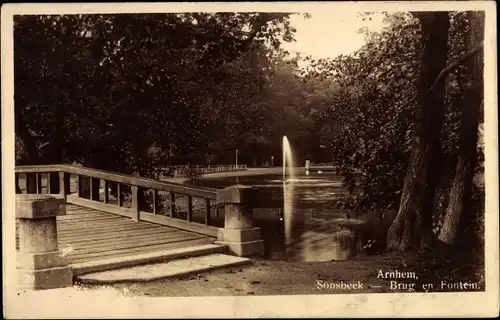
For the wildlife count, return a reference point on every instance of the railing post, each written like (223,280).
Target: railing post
(207,212)
(172,204)
(50,184)
(136,203)
(106,191)
(119,194)
(63,185)
(79,180)
(38,177)
(91,189)
(239,233)
(18,188)
(40,264)
(155,201)
(190,209)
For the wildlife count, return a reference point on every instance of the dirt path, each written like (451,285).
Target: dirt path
(265,277)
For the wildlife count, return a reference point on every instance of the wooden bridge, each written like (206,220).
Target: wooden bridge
(115,220)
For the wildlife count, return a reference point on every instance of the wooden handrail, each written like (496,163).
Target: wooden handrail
(186,170)
(59,177)
(39,168)
(321,164)
(201,192)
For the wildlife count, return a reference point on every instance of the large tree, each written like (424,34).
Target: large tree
(413,223)
(460,193)
(396,110)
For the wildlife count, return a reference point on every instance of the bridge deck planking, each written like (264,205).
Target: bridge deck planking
(88,235)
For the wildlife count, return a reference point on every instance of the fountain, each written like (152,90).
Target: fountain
(307,226)
(287,159)
(288,191)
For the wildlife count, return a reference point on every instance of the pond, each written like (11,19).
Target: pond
(299,220)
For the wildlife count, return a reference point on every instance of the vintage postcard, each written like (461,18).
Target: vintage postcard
(248,160)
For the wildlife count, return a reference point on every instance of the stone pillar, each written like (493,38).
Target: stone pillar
(239,233)
(39,262)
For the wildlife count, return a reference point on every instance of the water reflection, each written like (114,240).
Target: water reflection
(289,214)
(299,219)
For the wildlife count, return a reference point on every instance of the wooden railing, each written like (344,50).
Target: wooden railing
(142,199)
(220,168)
(321,164)
(184,170)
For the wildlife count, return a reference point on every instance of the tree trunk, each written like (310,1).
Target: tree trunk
(462,182)
(412,226)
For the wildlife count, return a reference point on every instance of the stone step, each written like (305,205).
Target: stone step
(174,268)
(144,258)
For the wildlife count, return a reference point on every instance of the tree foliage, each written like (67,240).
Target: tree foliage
(375,111)
(130,92)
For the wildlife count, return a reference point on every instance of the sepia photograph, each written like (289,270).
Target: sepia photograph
(307,159)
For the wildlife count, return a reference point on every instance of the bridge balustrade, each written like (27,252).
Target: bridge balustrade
(141,199)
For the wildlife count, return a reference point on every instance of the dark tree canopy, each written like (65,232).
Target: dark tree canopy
(127,92)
